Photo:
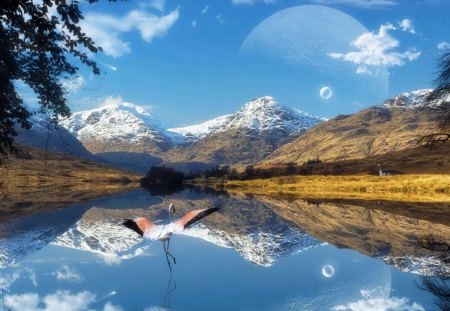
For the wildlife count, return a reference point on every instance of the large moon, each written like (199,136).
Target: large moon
(301,38)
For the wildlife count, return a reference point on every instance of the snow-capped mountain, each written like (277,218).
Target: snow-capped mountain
(432,265)
(266,114)
(261,115)
(413,99)
(199,131)
(120,127)
(22,236)
(245,137)
(45,133)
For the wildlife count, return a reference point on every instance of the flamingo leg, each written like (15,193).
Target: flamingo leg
(168,253)
(167,258)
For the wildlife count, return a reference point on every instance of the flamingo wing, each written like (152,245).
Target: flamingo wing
(193,216)
(138,225)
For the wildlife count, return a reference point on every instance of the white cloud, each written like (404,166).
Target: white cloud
(252,2)
(220,19)
(406,25)
(379,304)
(66,273)
(106,30)
(194,24)
(359,3)
(377,49)
(60,300)
(205,9)
(443,46)
(110,307)
(111,100)
(152,26)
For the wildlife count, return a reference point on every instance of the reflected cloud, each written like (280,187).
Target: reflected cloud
(377,304)
(60,300)
(66,273)
(32,276)
(7,280)
(110,307)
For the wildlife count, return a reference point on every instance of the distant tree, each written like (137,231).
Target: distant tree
(249,172)
(314,161)
(162,175)
(40,45)
(291,168)
(441,93)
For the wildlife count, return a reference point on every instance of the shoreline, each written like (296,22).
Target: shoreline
(407,188)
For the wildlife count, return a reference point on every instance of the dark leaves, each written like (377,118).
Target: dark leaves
(35,48)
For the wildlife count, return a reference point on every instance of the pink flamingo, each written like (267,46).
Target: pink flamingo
(163,233)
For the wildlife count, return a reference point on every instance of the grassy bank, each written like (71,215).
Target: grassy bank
(28,184)
(411,188)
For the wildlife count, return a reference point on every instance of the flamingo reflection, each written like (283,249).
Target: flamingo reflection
(149,230)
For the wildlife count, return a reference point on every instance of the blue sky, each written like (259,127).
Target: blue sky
(186,61)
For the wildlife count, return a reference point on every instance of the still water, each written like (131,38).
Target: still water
(255,253)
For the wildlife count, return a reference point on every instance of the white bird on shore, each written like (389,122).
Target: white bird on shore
(149,230)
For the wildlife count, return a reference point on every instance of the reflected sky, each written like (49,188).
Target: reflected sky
(244,257)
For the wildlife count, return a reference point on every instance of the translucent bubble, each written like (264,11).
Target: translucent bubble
(326,92)
(328,271)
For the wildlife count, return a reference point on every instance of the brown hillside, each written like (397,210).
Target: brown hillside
(419,160)
(373,228)
(28,185)
(374,131)
(235,146)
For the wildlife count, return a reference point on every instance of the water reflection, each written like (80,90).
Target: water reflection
(438,285)
(163,232)
(257,253)
(386,230)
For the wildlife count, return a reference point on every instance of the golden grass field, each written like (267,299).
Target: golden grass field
(408,188)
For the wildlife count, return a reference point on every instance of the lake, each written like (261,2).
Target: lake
(255,253)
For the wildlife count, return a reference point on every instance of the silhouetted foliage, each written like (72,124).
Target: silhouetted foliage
(439,286)
(442,111)
(40,45)
(162,175)
(314,161)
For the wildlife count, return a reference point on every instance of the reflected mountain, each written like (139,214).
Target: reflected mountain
(22,236)
(390,231)
(246,225)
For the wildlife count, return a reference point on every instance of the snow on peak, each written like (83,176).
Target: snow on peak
(123,121)
(261,114)
(265,102)
(266,114)
(198,131)
(413,99)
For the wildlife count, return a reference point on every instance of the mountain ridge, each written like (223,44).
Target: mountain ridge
(395,125)
(114,131)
